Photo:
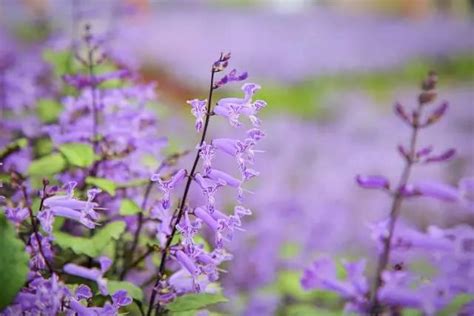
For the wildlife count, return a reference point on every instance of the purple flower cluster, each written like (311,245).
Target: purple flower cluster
(396,285)
(91,242)
(199,263)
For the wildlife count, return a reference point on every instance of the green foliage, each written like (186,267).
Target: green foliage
(104,184)
(129,207)
(309,98)
(61,61)
(309,310)
(411,312)
(49,110)
(78,154)
(194,302)
(94,246)
(43,146)
(288,283)
(47,165)
(134,291)
(456,304)
(289,250)
(13,263)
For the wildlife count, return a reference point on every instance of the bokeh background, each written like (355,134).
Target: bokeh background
(331,71)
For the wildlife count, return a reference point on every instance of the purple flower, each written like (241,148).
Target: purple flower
(93,274)
(198,109)
(166,186)
(232,108)
(83,292)
(40,297)
(232,76)
(431,189)
(16,214)
(187,263)
(322,275)
(436,114)
(448,154)
(401,112)
(206,218)
(223,178)
(373,182)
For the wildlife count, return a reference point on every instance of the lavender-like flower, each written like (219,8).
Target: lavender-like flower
(93,274)
(412,156)
(198,266)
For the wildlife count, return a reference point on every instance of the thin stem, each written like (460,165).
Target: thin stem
(168,161)
(394,213)
(34,224)
(165,251)
(95,112)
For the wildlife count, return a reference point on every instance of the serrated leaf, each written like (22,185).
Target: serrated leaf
(47,165)
(456,304)
(48,110)
(128,207)
(94,246)
(198,301)
(78,154)
(13,263)
(104,184)
(132,290)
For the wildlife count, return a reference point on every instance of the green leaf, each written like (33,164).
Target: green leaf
(195,302)
(132,290)
(129,207)
(49,110)
(411,312)
(47,165)
(62,61)
(94,246)
(13,263)
(309,310)
(456,304)
(104,184)
(43,146)
(78,154)
(289,250)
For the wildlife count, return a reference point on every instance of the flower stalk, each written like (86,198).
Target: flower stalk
(166,249)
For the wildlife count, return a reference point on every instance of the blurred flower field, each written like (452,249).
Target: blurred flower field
(286,157)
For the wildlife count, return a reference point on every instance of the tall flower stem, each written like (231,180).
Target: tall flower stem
(95,111)
(34,223)
(395,212)
(181,209)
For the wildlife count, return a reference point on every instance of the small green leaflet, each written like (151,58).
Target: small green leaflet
(78,154)
(128,207)
(47,165)
(195,302)
(104,184)
(94,246)
(48,110)
(13,262)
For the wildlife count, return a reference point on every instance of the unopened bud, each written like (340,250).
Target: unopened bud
(430,82)
(427,97)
